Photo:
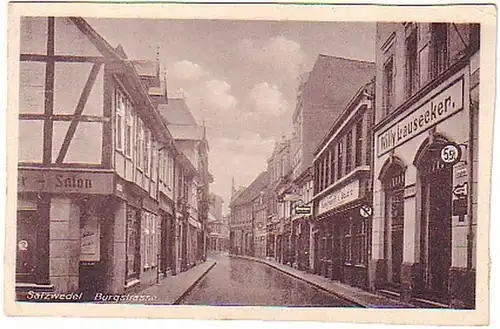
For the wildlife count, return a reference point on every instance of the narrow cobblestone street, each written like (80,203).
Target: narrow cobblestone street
(241,282)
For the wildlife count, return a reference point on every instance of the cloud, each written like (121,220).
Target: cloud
(279,53)
(187,70)
(243,158)
(212,101)
(268,99)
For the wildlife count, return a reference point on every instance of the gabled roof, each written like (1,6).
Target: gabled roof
(259,184)
(331,84)
(186,132)
(127,73)
(119,49)
(146,68)
(177,112)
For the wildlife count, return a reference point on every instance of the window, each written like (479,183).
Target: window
(360,250)
(475,35)
(325,171)
(120,109)
(154,159)
(140,144)
(348,242)
(151,238)
(26,260)
(348,152)
(412,74)
(359,142)
(439,41)
(329,175)
(147,150)
(133,251)
(388,93)
(332,165)
(316,178)
(129,117)
(340,156)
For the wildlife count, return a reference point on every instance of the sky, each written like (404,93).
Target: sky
(238,77)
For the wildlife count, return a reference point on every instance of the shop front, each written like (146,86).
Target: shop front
(61,230)
(167,248)
(341,233)
(423,245)
(301,237)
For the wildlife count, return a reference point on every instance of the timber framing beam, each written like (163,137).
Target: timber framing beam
(78,112)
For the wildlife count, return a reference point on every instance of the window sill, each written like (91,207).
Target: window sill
(132,283)
(34,285)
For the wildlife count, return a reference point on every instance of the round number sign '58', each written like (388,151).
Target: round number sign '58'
(451,153)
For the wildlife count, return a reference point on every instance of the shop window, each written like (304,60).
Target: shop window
(440,49)
(359,247)
(151,239)
(359,143)
(388,83)
(411,65)
(348,243)
(348,152)
(133,246)
(26,246)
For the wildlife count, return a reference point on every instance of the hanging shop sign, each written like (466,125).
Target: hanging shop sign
(339,197)
(303,210)
(441,106)
(90,240)
(53,181)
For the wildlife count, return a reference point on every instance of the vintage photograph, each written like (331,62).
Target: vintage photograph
(233,162)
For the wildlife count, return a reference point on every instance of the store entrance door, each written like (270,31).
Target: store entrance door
(436,222)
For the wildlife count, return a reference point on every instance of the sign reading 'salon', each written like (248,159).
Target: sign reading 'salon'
(55,181)
(443,105)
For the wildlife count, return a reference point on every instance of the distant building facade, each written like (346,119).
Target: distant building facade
(218,226)
(343,193)
(244,207)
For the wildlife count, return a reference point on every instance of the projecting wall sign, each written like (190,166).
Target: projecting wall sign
(443,105)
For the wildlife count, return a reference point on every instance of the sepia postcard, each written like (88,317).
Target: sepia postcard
(250,161)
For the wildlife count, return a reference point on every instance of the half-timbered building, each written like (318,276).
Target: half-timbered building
(98,169)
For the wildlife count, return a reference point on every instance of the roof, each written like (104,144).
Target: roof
(181,132)
(176,112)
(331,84)
(254,189)
(146,68)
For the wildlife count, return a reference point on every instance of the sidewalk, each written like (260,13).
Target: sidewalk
(172,289)
(352,294)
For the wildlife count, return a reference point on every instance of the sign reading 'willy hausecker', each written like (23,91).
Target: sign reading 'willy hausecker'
(446,103)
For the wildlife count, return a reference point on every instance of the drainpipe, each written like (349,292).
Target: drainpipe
(470,233)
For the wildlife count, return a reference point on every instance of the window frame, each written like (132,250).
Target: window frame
(388,98)
(412,66)
(438,48)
